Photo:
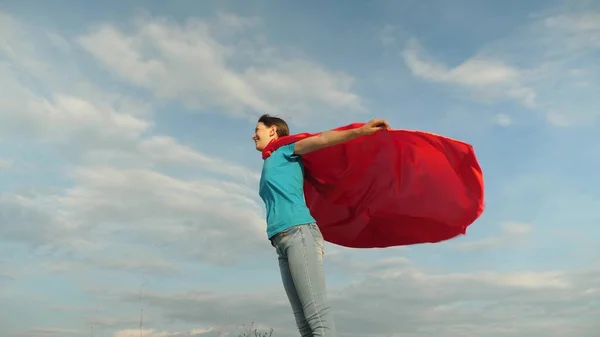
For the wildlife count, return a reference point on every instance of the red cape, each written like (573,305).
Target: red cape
(392,188)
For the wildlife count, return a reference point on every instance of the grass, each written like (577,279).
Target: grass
(254,333)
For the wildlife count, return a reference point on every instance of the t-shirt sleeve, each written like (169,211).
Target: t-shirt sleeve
(288,152)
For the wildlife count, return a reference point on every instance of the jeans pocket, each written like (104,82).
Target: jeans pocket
(285,236)
(314,229)
(290,232)
(318,237)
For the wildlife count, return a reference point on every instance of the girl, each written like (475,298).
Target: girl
(291,228)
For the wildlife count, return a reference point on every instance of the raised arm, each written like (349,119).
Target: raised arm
(329,138)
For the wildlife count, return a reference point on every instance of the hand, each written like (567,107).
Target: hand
(373,126)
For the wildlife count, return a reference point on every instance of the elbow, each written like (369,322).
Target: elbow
(321,141)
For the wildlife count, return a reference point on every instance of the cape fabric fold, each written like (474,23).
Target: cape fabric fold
(392,188)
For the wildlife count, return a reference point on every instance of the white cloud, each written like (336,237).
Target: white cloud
(487,78)
(355,263)
(163,149)
(503,120)
(95,125)
(559,118)
(203,219)
(126,260)
(239,75)
(70,110)
(142,332)
(4,274)
(517,228)
(557,74)
(415,303)
(114,158)
(513,233)
(481,244)
(583,29)
(583,22)
(5,163)
(67,115)
(49,332)
(387,35)
(122,207)
(102,323)
(191,333)
(31,220)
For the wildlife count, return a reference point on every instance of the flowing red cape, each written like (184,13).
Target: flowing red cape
(392,188)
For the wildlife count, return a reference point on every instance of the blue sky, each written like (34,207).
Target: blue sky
(129,180)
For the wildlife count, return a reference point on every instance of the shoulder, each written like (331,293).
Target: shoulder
(282,164)
(286,152)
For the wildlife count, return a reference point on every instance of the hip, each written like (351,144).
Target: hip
(307,233)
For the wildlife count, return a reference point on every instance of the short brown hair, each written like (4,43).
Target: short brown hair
(282,127)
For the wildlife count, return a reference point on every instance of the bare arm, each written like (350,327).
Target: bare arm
(325,139)
(329,138)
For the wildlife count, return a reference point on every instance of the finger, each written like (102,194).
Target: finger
(381,123)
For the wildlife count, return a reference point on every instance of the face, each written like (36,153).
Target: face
(263,135)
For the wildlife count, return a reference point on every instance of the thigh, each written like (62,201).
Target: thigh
(292,294)
(305,261)
(288,285)
(303,249)
(281,242)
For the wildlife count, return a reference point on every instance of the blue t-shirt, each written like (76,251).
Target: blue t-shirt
(282,190)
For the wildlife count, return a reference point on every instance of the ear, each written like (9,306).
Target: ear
(272,131)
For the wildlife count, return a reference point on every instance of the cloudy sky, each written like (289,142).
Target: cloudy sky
(128,179)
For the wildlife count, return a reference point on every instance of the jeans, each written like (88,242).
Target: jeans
(300,251)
